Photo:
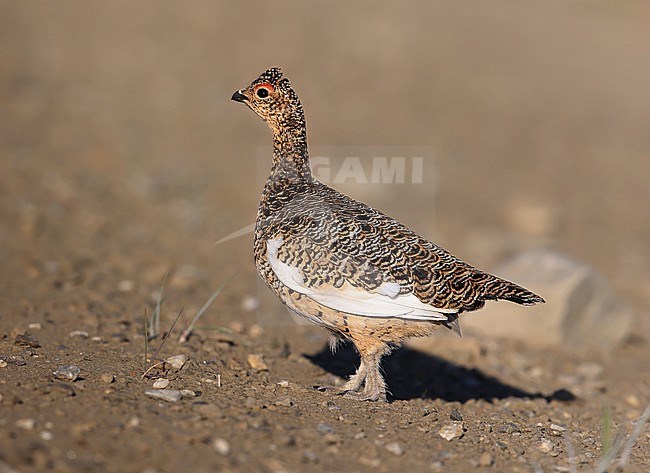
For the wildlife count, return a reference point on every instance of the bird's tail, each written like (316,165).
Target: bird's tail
(500,289)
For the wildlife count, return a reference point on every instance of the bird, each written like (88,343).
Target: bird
(345,266)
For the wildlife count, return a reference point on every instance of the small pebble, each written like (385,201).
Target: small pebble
(125,285)
(588,441)
(78,333)
(185,393)
(394,448)
(257,362)
(283,384)
(455,415)
(332,406)
(250,303)
(96,339)
(284,401)
(309,456)
(324,428)
(509,428)
(331,439)
(25,424)
(27,341)
(177,362)
(35,326)
(67,372)
(557,429)
(133,422)
(255,331)
(221,446)
(236,326)
(545,446)
(485,460)
(451,431)
(168,395)
(371,462)
(107,378)
(46,435)
(161,383)
(632,400)
(437,466)
(3,363)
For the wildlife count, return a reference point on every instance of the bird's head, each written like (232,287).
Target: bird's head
(273,99)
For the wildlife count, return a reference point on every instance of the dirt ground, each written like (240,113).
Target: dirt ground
(122,159)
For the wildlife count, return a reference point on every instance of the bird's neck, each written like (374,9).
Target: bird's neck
(290,154)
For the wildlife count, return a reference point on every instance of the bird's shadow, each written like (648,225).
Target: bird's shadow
(411,374)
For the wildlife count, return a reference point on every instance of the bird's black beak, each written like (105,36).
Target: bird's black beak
(238,97)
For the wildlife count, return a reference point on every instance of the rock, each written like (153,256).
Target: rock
(509,428)
(78,333)
(256,331)
(588,441)
(221,446)
(332,406)
(283,383)
(485,460)
(545,446)
(455,415)
(25,424)
(394,448)
(161,383)
(67,372)
(177,362)
(35,326)
(581,309)
(125,285)
(187,393)
(284,401)
(371,462)
(46,435)
(27,340)
(133,422)
(107,378)
(632,400)
(250,303)
(452,431)
(257,362)
(324,428)
(557,429)
(3,363)
(168,395)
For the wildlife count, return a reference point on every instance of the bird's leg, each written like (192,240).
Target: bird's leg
(375,386)
(356,380)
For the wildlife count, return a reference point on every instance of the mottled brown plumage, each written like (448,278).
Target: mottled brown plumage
(346,266)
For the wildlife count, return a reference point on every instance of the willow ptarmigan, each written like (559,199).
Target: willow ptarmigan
(345,266)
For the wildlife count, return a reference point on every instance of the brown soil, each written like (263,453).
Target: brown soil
(122,158)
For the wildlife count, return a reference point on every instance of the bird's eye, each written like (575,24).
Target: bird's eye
(263,91)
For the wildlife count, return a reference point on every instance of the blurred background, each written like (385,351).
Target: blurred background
(121,153)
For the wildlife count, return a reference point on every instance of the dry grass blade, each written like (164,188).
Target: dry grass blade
(638,428)
(155,322)
(188,331)
(162,344)
(620,445)
(146,339)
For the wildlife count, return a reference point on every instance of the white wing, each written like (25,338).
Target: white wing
(385,302)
